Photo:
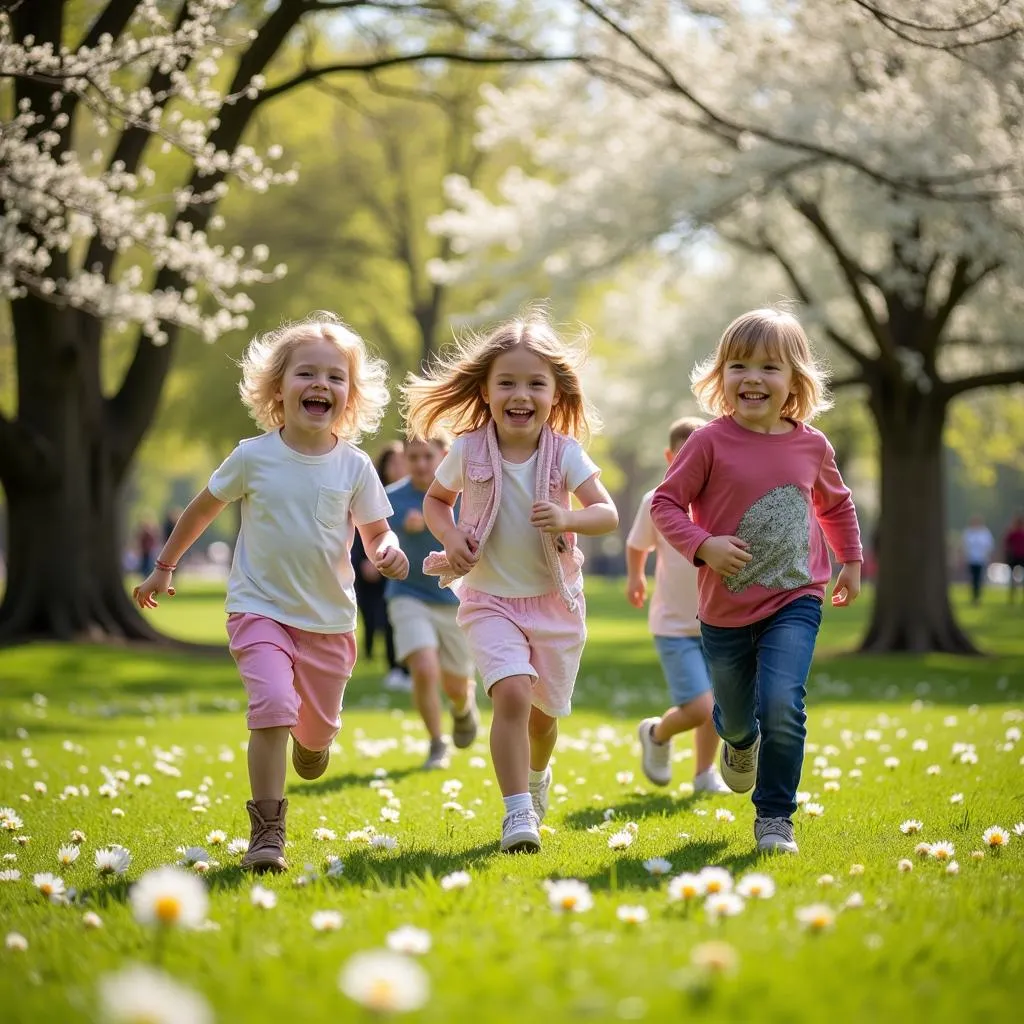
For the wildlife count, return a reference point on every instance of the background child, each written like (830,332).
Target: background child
(676,631)
(370,585)
(291,607)
(761,486)
(427,637)
(520,596)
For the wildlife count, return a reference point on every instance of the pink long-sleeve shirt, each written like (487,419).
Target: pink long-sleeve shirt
(781,493)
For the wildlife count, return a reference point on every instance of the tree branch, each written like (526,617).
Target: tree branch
(992,379)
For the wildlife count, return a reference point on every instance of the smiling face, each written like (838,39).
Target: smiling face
(756,388)
(520,392)
(314,389)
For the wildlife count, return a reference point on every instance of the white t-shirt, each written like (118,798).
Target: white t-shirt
(673,609)
(292,560)
(512,561)
(978,544)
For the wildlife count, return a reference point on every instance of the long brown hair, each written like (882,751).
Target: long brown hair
(449,393)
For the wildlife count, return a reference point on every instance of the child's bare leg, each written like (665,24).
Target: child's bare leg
(543,736)
(425,669)
(268,762)
(684,718)
(512,698)
(458,689)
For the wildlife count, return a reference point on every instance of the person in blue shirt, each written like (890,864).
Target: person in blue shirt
(422,614)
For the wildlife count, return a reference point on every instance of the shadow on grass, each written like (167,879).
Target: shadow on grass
(330,783)
(630,873)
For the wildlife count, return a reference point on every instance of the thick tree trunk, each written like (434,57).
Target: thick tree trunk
(912,610)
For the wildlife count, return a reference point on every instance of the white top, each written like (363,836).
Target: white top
(292,560)
(673,608)
(978,544)
(512,561)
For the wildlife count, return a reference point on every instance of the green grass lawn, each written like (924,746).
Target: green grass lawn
(925,944)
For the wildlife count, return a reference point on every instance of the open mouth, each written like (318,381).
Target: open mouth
(753,396)
(519,416)
(316,406)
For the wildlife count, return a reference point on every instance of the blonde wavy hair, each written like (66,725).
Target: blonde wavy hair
(448,394)
(266,359)
(776,333)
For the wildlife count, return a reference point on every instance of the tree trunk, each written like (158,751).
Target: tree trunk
(912,610)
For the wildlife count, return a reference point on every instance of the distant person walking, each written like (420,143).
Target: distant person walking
(370,599)
(147,542)
(978,542)
(1013,551)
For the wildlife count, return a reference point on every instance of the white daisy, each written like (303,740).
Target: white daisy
(996,837)
(814,810)
(456,880)
(265,899)
(817,917)
(324,835)
(92,920)
(385,982)
(891,763)
(238,846)
(910,826)
(170,898)
(49,885)
(9,820)
(620,840)
(952,868)
(658,866)
(326,920)
(144,994)
(569,894)
(716,880)
(722,814)
(632,915)
(854,901)
(624,778)
(723,904)
(68,854)
(756,886)
(10,875)
(192,854)
(856,869)
(77,836)
(383,842)
(409,940)
(16,941)
(389,814)
(112,860)
(905,865)
(943,850)
(685,887)
(824,881)
(216,837)
(923,849)
(1018,829)
(977,854)
(956,798)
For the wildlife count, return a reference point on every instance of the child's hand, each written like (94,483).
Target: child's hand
(847,585)
(548,517)
(461,550)
(636,590)
(391,562)
(157,582)
(725,555)
(414,522)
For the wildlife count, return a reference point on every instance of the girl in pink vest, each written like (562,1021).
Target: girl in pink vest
(514,401)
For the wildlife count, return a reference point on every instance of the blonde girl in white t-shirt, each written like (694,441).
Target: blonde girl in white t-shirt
(303,487)
(520,598)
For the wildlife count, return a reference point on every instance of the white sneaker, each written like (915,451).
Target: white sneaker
(655,758)
(520,832)
(775,835)
(539,793)
(710,782)
(397,681)
(739,767)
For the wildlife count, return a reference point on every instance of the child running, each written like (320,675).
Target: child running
(676,631)
(747,500)
(291,605)
(514,401)
(427,637)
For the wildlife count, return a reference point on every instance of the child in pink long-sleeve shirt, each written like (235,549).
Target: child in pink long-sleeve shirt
(751,499)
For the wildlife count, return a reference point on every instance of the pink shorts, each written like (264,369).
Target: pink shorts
(293,677)
(526,636)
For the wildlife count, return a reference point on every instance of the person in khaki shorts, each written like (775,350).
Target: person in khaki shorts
(427,639)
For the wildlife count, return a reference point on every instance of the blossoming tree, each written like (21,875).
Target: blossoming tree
(879,167)
(94,241)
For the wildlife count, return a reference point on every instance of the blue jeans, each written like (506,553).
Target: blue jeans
(759,678)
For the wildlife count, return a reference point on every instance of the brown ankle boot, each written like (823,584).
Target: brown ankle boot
(266,840)
(309,764)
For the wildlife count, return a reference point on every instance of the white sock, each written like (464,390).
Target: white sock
(537,778)
(518,802)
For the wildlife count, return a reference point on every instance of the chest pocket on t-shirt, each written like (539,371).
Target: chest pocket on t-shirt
(476,491)
(332,507)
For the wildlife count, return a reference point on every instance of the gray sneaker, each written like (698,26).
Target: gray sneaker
(438,755)
(520,833)
(655,757)
(539,794)
(775,835)
(465,727)
(739,767)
